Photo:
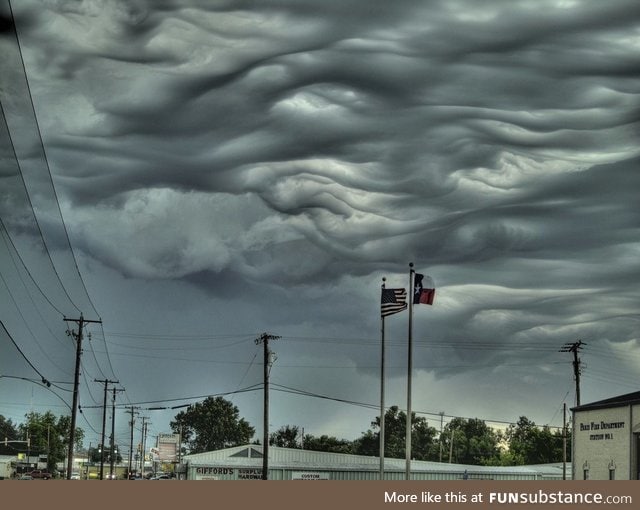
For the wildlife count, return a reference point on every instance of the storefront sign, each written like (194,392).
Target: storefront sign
(214,471)
(249,474)
(309,475)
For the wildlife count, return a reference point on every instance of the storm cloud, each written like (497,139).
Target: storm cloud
(270,161)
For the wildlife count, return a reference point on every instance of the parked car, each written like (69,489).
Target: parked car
(160,477)
(75,475)
(40,474)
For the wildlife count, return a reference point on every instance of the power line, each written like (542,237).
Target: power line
(32,210)
(13,250)
(254,387)
(27,326)
(44,383)
(44,379)
(46,162)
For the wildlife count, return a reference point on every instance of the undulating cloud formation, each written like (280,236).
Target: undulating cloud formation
(224,168)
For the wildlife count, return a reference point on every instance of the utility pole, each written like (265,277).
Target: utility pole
(441,424)
(104,421)
(76,383)
(179,466)
(145,423)
(132,412)
(575,348)
(264,340)
(113,432)
(564,441)
(451,446)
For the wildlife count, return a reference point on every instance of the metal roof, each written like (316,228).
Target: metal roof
(293,458)
(619,401)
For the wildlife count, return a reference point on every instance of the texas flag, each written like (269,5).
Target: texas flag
(424,290)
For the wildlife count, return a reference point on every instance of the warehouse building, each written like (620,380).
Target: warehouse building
(245,463)
(605,439)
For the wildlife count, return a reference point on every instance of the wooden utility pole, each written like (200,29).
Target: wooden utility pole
(113,432)
(132,412)
(76,383)
(575,348)
(104,421)
(264,340)
(145,424)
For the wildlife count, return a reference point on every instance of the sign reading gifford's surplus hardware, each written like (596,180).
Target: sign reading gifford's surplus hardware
(601,426)
(212,473)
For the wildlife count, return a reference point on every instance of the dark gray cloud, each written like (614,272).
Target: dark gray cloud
(265,163)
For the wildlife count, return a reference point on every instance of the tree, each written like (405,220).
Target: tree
(474,442)
(534,445)
(422,437)
(64,429)
(212,424)
(9,431)
(326,443)
(286,437)
(49,436)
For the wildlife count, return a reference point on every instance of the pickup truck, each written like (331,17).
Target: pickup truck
(40,474)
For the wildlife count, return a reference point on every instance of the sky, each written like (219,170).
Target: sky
(195,173)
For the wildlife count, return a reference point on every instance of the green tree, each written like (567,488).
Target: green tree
(505,458)
(286,436)
(212,424)
(49,436)
(64,428)
(9,431)
(474,442)
(326,443)
(423,436)
(532,444)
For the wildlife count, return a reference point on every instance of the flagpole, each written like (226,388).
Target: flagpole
(409,372)
(382,393)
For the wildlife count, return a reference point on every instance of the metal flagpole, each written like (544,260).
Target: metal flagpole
(382,392)
(409,371)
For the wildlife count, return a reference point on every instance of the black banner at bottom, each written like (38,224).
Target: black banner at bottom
(322,494)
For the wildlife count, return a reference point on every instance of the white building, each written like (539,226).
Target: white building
(605,439)
(7,466)
(245,462)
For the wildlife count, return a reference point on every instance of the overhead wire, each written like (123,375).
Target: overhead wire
(44,379)
(44,383)
(35,307)
(46,162)
(305,393)
(13,250)
(251,388)
(32,211)
(62,223)
(27,326)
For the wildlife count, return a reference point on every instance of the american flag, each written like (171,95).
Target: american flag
(393,301)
